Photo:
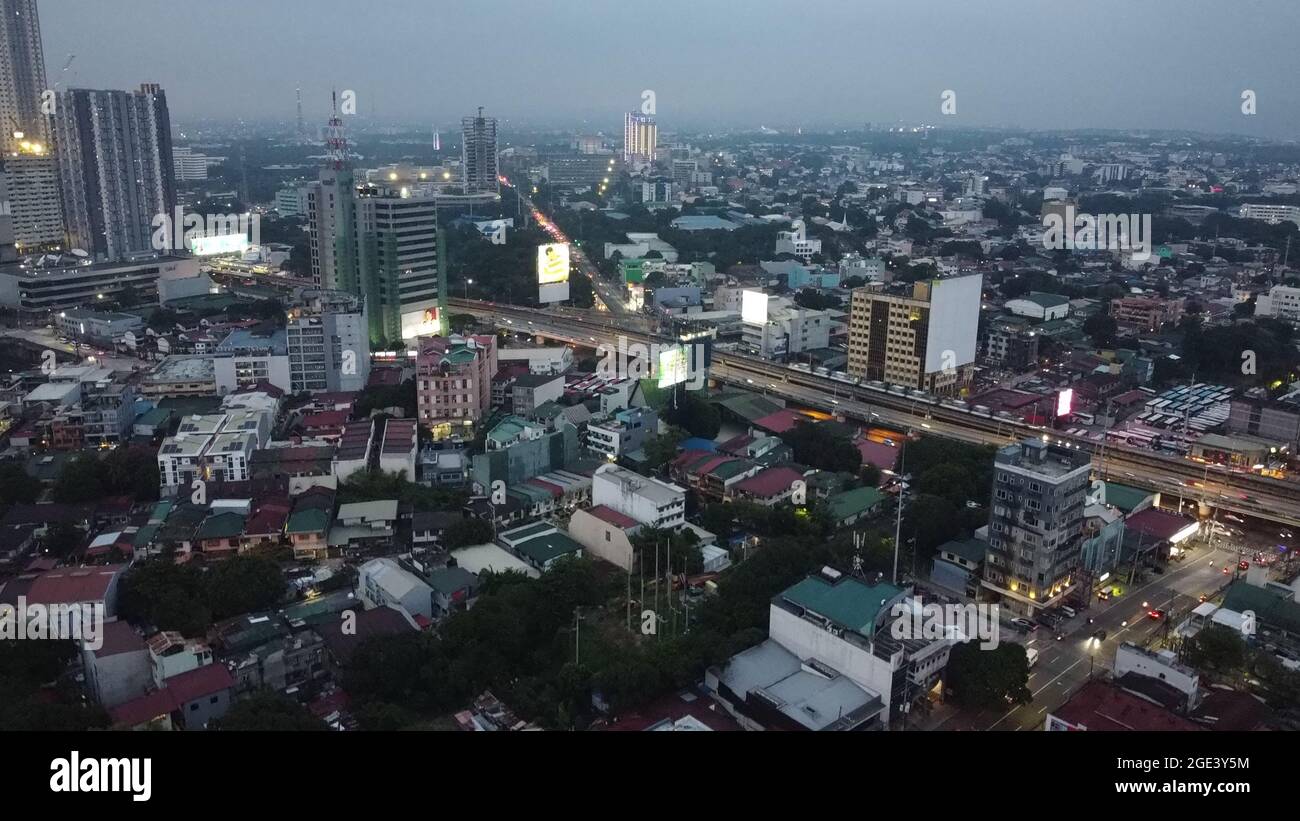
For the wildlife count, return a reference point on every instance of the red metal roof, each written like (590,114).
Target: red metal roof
(608,514)
(70,585)
(770,482)
(1157,523)
(780,421)
(1099,705)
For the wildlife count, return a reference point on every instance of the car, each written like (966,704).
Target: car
(1204,598)
(1100,635)
(1243,565)
(1286,534)
(1024,625)
(1103,595)
(1227,568)
(1157,614)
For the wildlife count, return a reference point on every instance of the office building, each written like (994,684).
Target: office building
(22,74)
(329,343)
(1281,302)
(640,138)
(116,169)
(925,340)
(397,267)
(55,283)
(187,165)
(453,383)
(1270,213)
(380,243)
(29,181)
(1035,524)
(625,433)
(478,154)
(785,330)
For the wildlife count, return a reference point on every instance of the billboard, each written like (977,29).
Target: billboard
(954,322)
(553,272)
(674,366)
(421,322)
(218,244)
(753,307)
(1064,402)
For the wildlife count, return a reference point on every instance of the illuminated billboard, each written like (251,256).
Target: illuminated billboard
(553,272)
(674,366)
(219,244)
(421,322)
(753,307)
(1064,402)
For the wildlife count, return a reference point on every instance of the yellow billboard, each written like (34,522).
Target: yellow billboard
(552,263)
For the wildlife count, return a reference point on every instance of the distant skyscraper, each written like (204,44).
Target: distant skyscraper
(302,130)
(116,168)
(478,153)
(437,140)
(640,138)
(22,73)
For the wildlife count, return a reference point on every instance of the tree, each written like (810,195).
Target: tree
(466,532)
(988,679)
(242,584)
(269,711)
(661,448)
(80,481)
(688,410)
(1102,329)
(16,487)
(1217,648)
(819,446)
(166,596)
(62,539)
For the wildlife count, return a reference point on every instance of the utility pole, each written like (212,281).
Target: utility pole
(898,524)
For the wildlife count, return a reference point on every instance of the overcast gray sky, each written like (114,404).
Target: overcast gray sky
(1091,64)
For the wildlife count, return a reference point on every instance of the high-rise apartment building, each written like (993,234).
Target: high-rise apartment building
(329,343)
(29,181)
(22,74)
(453,383)
(925,340)
(1035,524)
(640,138)
(478,154)
(116,169)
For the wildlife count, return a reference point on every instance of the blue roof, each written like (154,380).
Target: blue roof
(696,443)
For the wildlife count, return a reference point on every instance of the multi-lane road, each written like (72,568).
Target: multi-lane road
(1065,665)
(1266,498)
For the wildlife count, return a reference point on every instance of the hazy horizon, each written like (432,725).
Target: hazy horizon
(1161,64)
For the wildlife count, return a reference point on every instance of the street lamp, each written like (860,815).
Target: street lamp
(468,282)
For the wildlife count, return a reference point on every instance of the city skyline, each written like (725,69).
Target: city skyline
(1159,66)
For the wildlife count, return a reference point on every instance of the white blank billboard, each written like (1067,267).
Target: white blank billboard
(753,307)
(954,322)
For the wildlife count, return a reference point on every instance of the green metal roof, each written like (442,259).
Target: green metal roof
(1125,497)
(972,550)
(849,603)
(308,520)
(550,546)
(850,502)
(221,526)
(1271,607)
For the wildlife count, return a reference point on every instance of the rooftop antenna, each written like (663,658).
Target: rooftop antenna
(336,143)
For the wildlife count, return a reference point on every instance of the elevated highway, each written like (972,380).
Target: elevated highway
(1213,485)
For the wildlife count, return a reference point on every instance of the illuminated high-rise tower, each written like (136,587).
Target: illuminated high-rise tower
(22,74)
